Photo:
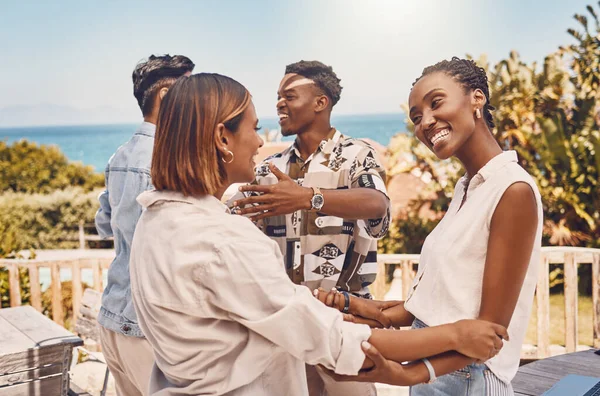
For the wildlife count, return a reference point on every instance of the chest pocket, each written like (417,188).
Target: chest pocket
(325,179)
(323,225)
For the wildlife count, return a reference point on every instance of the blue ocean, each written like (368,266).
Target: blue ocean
(94,144)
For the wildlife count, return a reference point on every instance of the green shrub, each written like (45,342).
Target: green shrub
(44,221)
(407,234)
(27,167)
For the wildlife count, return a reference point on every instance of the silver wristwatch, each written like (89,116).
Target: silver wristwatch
(317,201)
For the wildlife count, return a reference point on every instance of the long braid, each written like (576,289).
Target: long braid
(470,76)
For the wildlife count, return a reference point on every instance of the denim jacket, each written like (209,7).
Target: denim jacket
(127,176)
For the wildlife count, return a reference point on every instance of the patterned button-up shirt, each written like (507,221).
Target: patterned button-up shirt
(321,250)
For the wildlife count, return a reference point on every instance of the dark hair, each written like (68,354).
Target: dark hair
(185,157)
(470,76)
(323,76)
(156,73)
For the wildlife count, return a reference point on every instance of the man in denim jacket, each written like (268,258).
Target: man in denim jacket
(128,354)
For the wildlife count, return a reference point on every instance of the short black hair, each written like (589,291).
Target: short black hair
(470,76)
(155,73)
(323,76)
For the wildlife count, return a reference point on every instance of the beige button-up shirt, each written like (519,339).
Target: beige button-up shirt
(214,300)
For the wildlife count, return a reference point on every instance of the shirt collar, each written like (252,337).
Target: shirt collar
(495,164)
(205,202)
(146,128)
(326,145)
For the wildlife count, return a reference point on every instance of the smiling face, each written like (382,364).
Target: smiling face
(298,102)
(443,113)
(244,144)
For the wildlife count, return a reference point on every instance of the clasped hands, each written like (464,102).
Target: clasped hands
(277,199)
(478,339)
(374,313)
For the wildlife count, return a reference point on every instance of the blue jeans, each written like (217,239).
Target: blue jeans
(473,380)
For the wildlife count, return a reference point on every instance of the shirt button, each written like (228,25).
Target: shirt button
(125,328)
(319,221)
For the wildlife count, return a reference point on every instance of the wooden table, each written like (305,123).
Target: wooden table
(537,377)
(35,354)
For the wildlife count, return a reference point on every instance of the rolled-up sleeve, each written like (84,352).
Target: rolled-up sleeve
(250,284)
(367,172)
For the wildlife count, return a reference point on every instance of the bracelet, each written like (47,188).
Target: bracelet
(432,376)
(346,302)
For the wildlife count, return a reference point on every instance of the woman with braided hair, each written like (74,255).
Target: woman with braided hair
(481,259)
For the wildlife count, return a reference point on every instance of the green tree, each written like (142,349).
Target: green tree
(550,118)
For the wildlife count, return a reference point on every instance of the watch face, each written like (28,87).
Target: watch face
(317,201)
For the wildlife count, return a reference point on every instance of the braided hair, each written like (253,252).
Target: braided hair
(470,76)
(323,76)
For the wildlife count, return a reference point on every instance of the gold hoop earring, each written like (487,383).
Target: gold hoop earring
(231,160)
(477,113)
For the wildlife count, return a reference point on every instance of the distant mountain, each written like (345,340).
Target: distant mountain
(52,114)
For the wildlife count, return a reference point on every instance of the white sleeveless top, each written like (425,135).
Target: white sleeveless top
(449,281)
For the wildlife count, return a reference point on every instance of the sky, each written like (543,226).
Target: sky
(81,54)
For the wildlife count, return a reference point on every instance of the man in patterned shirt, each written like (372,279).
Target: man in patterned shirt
(330,206)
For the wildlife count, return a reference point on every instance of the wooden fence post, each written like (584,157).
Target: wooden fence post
(542,295)
(77,287)
(596,298)
(378,286)
(571,339)
(406,277)
(81,235)
(35,287)
(57,309)
(97,270)
(14,284)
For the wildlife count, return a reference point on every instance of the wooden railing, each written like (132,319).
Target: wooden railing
(97,265)
(402,280)
(84,237)
(569,257)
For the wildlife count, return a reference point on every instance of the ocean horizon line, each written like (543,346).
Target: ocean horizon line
(93,144)
(270,118)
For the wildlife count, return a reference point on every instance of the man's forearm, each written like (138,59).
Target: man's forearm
(355,203)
